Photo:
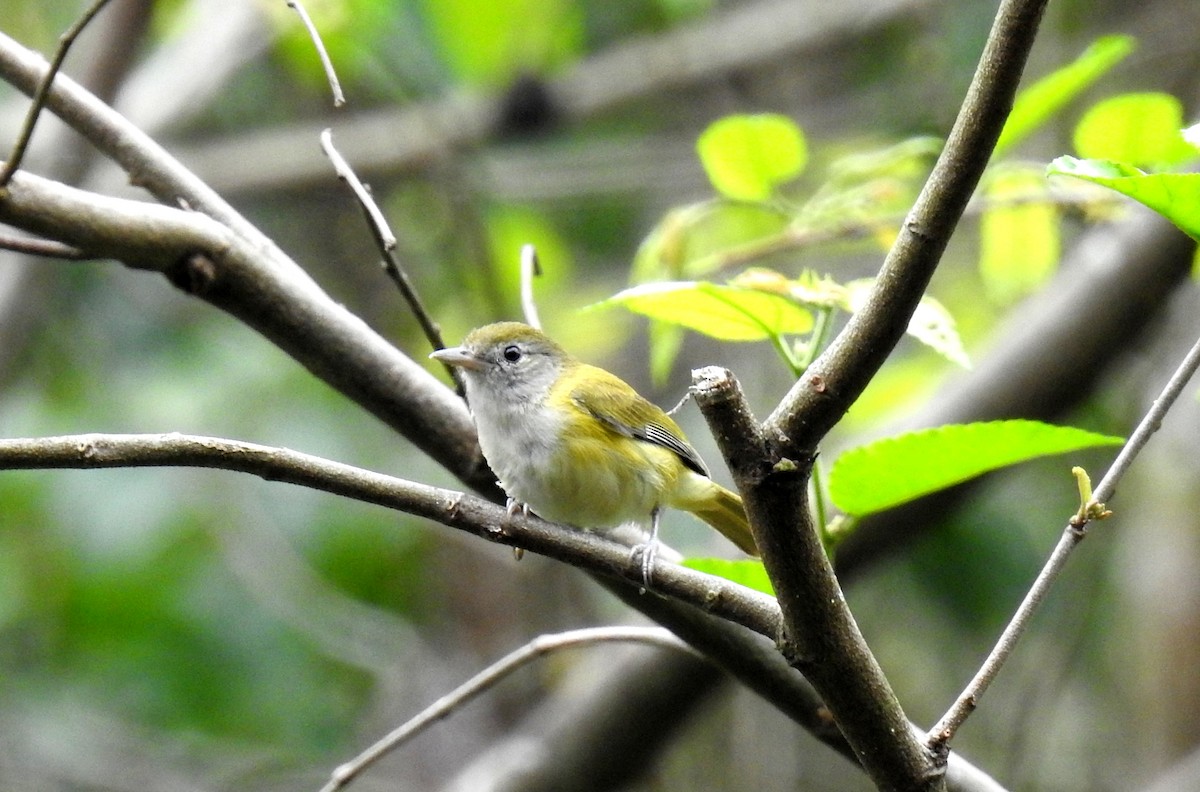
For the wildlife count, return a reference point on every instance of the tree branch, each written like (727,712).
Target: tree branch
(252,279)
(43,248)
(464,512)
(1072,535)
(772,463)
(1111,285)
(701,609)
(39,96)
(820,398)
(385,240)
(820,637)
(142,235)
(487,678)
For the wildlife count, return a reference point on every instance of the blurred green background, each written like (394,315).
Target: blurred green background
(182,629)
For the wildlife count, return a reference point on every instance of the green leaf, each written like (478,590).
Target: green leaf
(895,470)
(931,323)
(1139,128)
(1019,234)
(747,156)
(1176,196)
(748,573)
(1045,97)
(724,312)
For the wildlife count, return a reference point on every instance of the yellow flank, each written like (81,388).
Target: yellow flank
(600,477)
(603,474)
(718,507)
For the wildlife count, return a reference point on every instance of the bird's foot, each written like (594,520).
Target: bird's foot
(512,507)
(648,553)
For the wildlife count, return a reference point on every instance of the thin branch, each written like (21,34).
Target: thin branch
(39,98)
(630,705)
(143,235)
(339,99)
(489,677)
(458,510)
(530,269)
(1074,533)
(386,242)
(380,229)
(46,248)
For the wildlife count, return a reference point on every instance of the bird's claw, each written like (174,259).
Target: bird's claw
(648,552)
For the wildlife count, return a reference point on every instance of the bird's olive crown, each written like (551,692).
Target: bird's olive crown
(516,351)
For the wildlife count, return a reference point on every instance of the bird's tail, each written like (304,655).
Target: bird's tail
(721,509)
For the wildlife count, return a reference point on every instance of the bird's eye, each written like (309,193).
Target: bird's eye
(512,353)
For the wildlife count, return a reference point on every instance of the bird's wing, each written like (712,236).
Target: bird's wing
(624,410)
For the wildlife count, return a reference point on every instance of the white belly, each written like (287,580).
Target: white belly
(596,490)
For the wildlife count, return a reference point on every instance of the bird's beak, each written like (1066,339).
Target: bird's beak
(458,356)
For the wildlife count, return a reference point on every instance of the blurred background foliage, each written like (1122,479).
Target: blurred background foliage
(179,629)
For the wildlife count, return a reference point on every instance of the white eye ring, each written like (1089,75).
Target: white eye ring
(512,353)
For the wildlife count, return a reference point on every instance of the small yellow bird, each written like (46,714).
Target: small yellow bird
(577,444)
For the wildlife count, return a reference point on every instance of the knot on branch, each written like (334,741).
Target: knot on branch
(194,273)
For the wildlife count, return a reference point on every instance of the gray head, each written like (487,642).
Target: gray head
(507,361)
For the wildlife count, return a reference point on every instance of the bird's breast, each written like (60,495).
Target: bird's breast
(569,467)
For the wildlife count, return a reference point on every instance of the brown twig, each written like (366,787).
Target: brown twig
(385,240)
(39,98)
(489,677)
(1074,533)
(46,248)
(458,510)
(339,99)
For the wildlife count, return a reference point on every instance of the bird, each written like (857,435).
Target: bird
(576,444)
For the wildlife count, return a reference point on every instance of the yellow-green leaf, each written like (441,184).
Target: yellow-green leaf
(1143,129)
(1041,100)
(748,573)
(1019,234)
(891,471)
(724,312)
(1176,196)
(747,156)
